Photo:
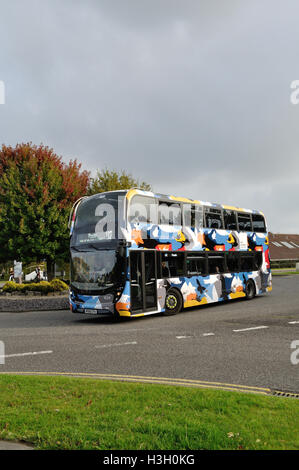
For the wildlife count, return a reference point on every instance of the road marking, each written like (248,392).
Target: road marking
(293,322)
(182,337)
(208,334)
(135,329)
(35,353)
(252,328)
(159,380)
(115,344)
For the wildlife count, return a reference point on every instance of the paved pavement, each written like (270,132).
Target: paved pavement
(239,342)
(9,445)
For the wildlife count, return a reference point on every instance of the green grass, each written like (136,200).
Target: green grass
(71,413)
(283,273)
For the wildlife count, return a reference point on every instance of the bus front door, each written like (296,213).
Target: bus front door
(143,272)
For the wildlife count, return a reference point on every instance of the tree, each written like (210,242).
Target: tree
(37,191)
(111,180)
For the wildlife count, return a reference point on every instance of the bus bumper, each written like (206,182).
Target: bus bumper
(92,305)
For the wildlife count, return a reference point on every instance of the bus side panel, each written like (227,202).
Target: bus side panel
(200,290)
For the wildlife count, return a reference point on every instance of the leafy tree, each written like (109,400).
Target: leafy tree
(111,180)
(37,191)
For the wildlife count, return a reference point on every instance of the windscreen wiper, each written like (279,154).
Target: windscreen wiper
(74,248)
(94,246)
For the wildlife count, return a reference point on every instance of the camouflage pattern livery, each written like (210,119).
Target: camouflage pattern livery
(195,290)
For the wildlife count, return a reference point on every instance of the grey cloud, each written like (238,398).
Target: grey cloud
(191,96)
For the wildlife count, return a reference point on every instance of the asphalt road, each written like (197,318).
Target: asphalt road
(239,342)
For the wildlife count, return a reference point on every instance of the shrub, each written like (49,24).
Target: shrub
(11,286)
(43,287)
(58,285)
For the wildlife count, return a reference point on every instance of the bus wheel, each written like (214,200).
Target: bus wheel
(173,302)
(250,290)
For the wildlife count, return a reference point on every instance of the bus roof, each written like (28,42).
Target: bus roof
(132,192)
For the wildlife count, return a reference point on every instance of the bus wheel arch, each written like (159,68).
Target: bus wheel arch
(250,289)
(173,301)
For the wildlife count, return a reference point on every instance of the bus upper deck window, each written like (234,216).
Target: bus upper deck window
(258,223)
(244,221)
(170,213)
(230,222)
(193,216)
(142,209)
(213,218)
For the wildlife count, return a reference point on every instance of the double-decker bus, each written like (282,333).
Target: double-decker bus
(137,253)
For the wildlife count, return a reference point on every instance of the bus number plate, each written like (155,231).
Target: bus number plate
(90,310)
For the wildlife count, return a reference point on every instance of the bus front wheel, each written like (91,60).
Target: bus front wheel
(250,290)
(173,302)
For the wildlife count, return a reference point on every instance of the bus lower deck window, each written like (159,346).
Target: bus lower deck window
(216,265)
(174,262)
(247,263)
(232,261)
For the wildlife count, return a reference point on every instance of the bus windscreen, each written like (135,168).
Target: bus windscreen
(97,219)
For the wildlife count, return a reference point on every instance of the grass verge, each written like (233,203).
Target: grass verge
(284,273)
(71,413)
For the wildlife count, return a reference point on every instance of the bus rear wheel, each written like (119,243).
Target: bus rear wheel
(173,302)
(250,290)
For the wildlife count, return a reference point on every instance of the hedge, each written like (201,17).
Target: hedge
(56,285)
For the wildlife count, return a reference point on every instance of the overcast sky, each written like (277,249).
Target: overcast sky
(191,96)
